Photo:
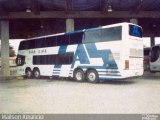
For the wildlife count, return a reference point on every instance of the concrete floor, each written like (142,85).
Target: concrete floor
(141,95)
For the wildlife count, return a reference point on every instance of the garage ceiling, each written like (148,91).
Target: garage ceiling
(147,12)
(78,5)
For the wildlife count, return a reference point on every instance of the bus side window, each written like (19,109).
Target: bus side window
(51,41)
(93,36)
(40,43)
(32,44)
(111,34)
(57,59)
(21,45)
(64,59)
(76,38)
(62,40)
(155,52)
(24,45)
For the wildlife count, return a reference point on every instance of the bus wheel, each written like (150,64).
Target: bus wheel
(28,73)
(79,75)
(92,76)
(36,73)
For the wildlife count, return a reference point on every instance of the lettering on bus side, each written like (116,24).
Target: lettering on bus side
(42,51)
(37,51)
(32,51)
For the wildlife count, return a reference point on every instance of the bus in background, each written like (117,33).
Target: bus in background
(155,58)
(12,62)
(112,52)
(146,58)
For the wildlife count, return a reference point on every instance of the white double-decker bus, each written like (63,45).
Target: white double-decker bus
(104,53)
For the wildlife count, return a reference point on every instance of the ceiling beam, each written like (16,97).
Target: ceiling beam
(81,14)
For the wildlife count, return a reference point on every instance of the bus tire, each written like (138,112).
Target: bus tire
(92,76)
(78,75)
(28,73)
(36,73)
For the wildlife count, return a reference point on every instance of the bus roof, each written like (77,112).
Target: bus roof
(77,31)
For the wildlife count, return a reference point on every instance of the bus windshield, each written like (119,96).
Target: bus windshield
(155,52)
(135,31)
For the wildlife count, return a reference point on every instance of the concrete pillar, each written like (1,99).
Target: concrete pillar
(69,25)
(152,40)
(134,21)
(4,34)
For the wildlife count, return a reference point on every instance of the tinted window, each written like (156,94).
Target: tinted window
(93,36)
(76,38)
(62,40)
(111,34)
(155,52)
(135,31)
(102,35)
(21,45)
(51,41)
(24,45)
(53,59)
(32,44)
(40,42)
(64,59)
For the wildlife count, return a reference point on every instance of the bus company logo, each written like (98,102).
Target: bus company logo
(149,117)
(37,51)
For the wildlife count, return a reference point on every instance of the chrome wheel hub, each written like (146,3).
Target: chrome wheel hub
(79,76)
(92,77)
